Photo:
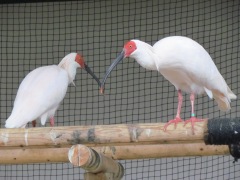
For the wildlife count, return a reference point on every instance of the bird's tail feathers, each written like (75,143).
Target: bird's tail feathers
(231,95)
(12,122)
(223,101)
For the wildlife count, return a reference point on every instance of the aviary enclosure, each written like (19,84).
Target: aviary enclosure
(34,34)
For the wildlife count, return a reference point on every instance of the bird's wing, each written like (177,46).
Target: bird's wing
(185,55)
(196,66)
(40,91)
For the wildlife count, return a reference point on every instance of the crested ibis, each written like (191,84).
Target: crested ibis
(42,90)
(183,62)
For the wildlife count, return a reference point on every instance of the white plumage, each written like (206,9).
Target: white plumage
(42,91)
(185,63)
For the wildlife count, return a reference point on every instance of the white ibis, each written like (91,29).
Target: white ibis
(42,91)
(186,64)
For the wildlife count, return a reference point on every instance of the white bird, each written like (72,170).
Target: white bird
(186,64)
(42,91)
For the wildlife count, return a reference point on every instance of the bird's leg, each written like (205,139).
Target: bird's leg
(34,122)
(177,118)
(193,119)
(52,121)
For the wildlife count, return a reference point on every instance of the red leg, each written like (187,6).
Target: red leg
(52,121)
(34,122)
(177,118)
(193,119)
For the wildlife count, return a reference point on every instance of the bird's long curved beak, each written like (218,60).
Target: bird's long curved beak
(119,58)
(89,71)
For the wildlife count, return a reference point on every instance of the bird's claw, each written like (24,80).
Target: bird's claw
(192,120)
(175,121)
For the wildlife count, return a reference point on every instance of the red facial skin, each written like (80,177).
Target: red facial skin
(80,61)
(129,48)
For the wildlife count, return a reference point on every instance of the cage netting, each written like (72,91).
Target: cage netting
(35,34)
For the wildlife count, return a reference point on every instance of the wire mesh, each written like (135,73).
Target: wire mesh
(38,34)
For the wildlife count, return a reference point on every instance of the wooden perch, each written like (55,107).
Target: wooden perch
(95,162)
(101,135)
(124,141)
(51,155)
(99,176)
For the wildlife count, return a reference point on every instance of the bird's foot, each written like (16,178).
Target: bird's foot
(175,121)
(52,121)
(192,120)
(34,123)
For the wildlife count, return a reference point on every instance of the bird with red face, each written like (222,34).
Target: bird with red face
(186,64)
(42,90)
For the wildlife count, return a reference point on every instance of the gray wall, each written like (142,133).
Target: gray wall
(37,34)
